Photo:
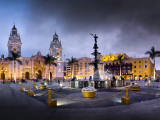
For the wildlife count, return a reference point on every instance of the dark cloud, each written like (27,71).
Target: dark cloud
(128,26)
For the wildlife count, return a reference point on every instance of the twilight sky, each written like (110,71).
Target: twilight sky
(126,26)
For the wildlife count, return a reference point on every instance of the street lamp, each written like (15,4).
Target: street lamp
(11,76)
(22,75)
(3,70)
(36,74)
(63,75)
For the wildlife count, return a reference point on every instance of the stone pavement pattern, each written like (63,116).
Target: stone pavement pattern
(16,105)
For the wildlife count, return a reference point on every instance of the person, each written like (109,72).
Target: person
(59,82)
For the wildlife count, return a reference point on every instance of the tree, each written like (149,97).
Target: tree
(71,63)
(49,60)
(15,58)
(121,61)
(152,54)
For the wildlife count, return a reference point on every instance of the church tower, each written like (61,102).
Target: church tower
(14,42)
(56,48)
(56,51)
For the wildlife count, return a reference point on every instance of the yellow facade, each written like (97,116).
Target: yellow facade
(141,67)
(112,57)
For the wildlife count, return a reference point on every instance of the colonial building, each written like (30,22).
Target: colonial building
(32,67)
(133,68)
(82,70)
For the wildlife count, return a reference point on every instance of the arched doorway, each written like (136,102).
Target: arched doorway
(39,74)
(2,76)
(27,75)
(140,77)
(50,75)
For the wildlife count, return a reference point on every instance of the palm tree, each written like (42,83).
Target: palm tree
(15,58)
(121,61)
(152,55)
(49,60)
(71,63)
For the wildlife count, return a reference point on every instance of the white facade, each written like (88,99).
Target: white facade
(32,67)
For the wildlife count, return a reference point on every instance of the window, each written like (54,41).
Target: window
(124,67)
(145,66)
(59,70)
(39,62)
(139,66)
(134,66)
(139,61)
(128,71)
(27,63)
(128,67)
(139,71)
(134,71)
(145,61)
(59,64)
(2,63)
(134,61)
(124,71)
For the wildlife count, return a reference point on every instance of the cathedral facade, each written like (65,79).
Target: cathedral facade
(32,67)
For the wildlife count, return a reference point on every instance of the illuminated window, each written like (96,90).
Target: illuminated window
(59,64)
(139,71)
(145,66)
(134,71)
(59,70)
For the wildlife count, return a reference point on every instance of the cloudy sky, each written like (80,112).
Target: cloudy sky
(126,26)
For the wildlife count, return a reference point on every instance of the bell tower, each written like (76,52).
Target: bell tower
(14,42)
(56,48)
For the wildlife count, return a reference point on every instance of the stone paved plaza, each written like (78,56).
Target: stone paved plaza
(17,105)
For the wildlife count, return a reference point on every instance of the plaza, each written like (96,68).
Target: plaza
(17,105)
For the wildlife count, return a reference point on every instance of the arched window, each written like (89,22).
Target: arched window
(39,62)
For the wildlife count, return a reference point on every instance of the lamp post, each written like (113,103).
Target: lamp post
(36,74)
(22,75)
(63,75)
(3,70)
(11,76)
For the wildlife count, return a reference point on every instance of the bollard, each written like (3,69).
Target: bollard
(21,89)
(30,93)
(34,85)
(126,100)
(51,102)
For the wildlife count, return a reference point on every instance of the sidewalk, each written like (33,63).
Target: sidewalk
(16,105)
